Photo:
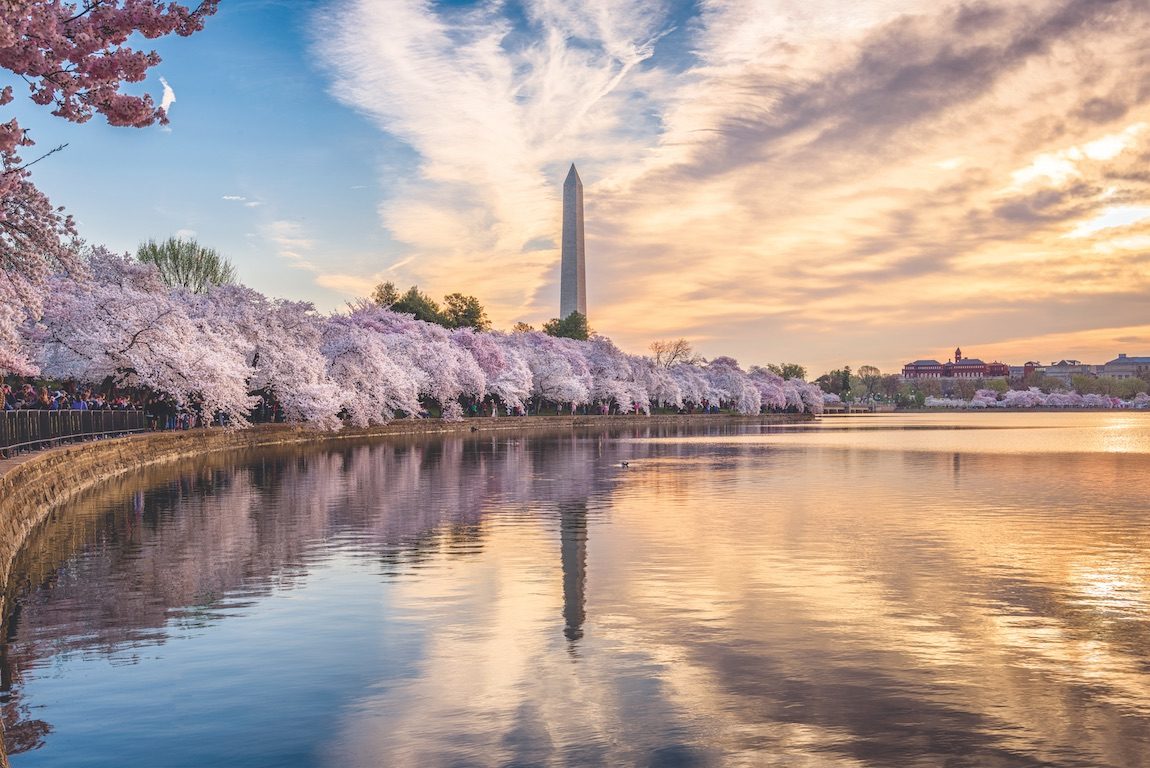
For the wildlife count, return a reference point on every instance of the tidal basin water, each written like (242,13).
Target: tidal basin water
(922,590)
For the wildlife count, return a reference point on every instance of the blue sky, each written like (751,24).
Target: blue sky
(817,181)
(255,138)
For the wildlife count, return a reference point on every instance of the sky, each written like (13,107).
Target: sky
(814,181)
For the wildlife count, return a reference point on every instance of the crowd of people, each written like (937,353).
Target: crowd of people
(162,412)
(29,397)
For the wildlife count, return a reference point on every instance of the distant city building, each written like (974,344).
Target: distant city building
(1064,370)
(1020,372)
(572,267)
(922,369)
(958,368)
(1123,367)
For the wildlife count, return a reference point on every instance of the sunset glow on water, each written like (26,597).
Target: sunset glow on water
(959,589)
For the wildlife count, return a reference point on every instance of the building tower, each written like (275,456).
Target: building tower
(572,271)
(957,354)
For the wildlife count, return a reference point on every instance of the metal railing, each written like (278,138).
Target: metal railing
(30,430)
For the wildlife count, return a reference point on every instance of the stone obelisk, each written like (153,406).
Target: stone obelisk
(572,271)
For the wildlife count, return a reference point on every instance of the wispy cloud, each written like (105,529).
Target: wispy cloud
(763,172)
(169,97)
(247,203)
(291,243)
(495,110)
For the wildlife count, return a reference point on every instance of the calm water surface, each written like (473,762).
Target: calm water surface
(954,590)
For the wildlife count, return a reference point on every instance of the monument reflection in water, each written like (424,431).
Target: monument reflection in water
(884,592)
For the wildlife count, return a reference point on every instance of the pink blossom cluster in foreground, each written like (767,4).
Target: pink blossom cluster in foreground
(74,57)
(361,368)
(1036,398)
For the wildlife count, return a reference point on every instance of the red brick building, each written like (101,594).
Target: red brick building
(958,368)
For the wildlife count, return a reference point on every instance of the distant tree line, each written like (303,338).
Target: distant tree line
(869,384)
(458,310)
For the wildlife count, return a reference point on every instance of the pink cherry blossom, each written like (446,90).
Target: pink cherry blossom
(73,57)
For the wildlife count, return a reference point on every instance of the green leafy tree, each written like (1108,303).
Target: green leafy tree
(459,310)
(911,395)
(416,302)
(464,312)
(929,387)
(830,382)
(889,386)
(1128,388)
(522,327)
(574,326)
(187,264)
(871,378)
(965,388)
(1085,384)
(385,294)
(1042,381)
(838,382)
(788,370)
(998,385)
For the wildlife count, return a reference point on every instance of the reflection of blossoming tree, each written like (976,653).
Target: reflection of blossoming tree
(197,533)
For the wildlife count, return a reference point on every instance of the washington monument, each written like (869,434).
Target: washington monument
(572,272)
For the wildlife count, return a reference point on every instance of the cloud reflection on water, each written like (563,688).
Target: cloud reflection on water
(772,601)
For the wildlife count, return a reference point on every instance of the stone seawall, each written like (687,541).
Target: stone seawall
(32,486)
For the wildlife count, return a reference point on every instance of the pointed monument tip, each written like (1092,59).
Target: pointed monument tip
(572,179)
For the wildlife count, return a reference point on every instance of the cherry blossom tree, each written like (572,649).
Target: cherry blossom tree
(988,397)
(559,372)
(733,386)
(281,341)
(372,386)
(811,395)
(793,395)
(657,381)
(1024,398)
(367,366)
(506,372)
(74,57)
(771,388)
(513,385)
(613,376)
(1096,401)
(125,325)
(692,383)
(443,370)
